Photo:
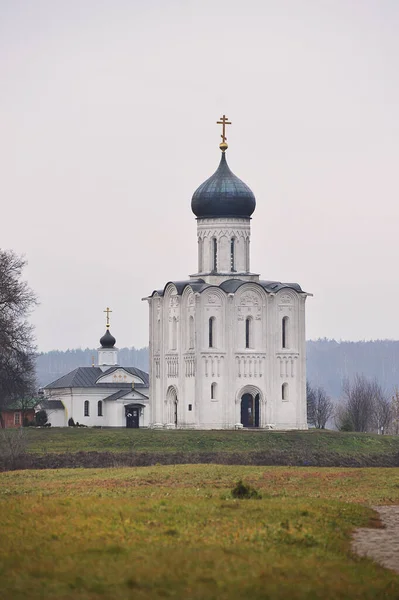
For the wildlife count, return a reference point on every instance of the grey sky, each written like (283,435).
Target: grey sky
(107,126)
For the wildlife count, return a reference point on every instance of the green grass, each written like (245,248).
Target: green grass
(42,441)
(176,532)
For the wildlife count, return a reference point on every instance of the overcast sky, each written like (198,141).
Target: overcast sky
(108,116)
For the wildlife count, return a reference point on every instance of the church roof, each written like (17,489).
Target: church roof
(223,195)
(229,286)
(122,393)
(87,377)
(46,404)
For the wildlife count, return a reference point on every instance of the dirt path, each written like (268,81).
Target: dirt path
(381,544)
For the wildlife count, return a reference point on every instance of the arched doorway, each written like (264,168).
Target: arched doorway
(250,405)
(132,413)
(171,406)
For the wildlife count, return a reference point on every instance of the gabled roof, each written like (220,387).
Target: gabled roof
(84,377)
(122,393)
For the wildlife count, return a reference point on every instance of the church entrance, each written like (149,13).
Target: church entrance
(250,410)
(132,412)
(172,407)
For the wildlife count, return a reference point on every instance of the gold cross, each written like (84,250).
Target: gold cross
(108,311)
(223,121)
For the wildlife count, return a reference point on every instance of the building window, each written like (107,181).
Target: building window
(213,391)
(158,346)
(211,332)
(174,333)
(99,408)
(200,251)
(232,254)
(191,332)
(190,407)
(87,408)
(284,391)
(248,332)
(284,332)
(215,254)
(17,418)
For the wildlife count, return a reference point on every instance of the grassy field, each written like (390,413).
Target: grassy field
(176,532)
(72,439)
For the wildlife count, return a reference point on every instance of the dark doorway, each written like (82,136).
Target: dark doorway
(250,410)
(176,413)
(132,416)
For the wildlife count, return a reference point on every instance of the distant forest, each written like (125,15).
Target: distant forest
(328,362)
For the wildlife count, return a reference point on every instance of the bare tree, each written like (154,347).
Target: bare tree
(383,409)
(365,406)
(17,350)
(320,406)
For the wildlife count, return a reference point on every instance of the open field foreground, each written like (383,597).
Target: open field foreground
(177,532)
(84,447)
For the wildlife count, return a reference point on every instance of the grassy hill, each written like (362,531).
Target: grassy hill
(74,447)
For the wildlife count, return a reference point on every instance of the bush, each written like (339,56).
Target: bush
(243,491)
(41,418)
(71,422)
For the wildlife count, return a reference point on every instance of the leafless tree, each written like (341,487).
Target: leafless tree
(365,406)
(17,349)
(320,406)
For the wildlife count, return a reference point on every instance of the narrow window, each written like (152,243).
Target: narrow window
(213,391)
(100,408)
(200,251)
(174,333)
(284,391)
(248,332)
(247,255)
(159,334)
(232,255)
(215,254)
(211,332)
(87,408)
(191,332)
(190,407)
(17,418)
(284,332)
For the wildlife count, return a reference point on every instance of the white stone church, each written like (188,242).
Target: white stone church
(227,349)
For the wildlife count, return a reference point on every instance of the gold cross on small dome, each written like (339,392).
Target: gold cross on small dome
(223,121)
(108,310)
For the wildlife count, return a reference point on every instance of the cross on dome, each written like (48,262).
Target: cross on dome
(223,121)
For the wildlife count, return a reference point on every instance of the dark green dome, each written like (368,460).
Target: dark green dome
(107,340)
(223,195)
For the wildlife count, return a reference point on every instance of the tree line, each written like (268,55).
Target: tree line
(364,406)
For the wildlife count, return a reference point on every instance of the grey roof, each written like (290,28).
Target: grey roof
(229,286)
(87,377)
(51,404)
(223,195)
(122,393)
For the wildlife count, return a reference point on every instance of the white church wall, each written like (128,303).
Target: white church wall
(223,231)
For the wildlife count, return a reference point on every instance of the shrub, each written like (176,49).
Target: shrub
(243,491)
(71,422)
(41,418)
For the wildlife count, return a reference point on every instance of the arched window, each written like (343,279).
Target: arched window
(191,332)
(99,408)
(200,251)
(212,332)
(213,391)
(174,333)
(87,408)
(284,332)
(232,254)
(284,391)
(247,255)
(215,254)
(248,332)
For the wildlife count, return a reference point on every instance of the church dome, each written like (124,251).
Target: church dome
(223,195)
(107,340)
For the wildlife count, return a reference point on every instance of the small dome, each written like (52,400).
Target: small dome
(108,340)
(223,195)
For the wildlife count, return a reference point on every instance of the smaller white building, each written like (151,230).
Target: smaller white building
(106,395)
